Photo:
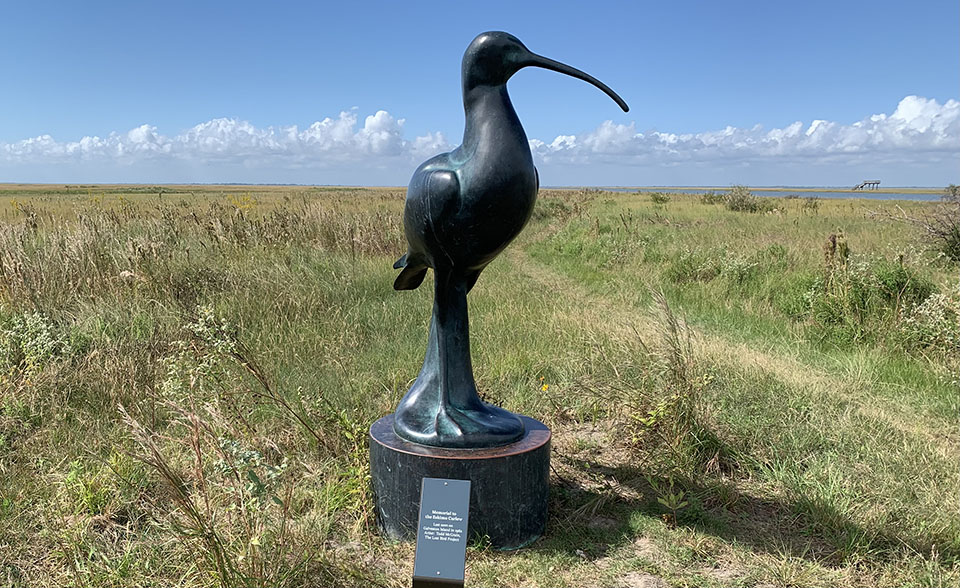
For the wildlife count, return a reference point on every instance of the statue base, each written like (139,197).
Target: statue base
(510,484)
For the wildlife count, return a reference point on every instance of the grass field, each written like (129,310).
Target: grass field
(853,193)
(187,374)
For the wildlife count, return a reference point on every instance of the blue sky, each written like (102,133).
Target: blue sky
(359,93)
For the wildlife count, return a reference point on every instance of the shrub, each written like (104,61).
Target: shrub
(712,197)
(864,298)
(940,224)
(944,223)
(694,266)
(552,208)
(810,204)
(740,199)
(934,324)
(29,344)
(659,197)
(951,193)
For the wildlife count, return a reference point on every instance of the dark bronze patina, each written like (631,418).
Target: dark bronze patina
(462,209)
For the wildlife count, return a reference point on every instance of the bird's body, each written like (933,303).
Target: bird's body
(462,209)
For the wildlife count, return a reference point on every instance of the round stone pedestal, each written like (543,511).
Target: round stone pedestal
(509,485)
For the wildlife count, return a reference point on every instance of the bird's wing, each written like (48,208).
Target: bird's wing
(432,200)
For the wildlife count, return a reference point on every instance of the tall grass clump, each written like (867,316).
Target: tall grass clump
(667,416)
(860,297)
(694,265)
(227,475)
(738,269)
(712,197)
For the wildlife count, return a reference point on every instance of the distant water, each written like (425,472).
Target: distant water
(824,193)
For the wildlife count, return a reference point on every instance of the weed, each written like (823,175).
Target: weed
(694,265)
(787,570)
(28,344)
(934,324)
(241,538)
(91,495)
(835,252)
(738,269)
(669,498)
(857,294)
(232,502)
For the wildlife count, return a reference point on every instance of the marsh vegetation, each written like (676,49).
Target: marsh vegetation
(743,392)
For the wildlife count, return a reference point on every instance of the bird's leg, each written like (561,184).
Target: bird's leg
(442,407)
(457,386)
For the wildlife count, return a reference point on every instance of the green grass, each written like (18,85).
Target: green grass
(187,374)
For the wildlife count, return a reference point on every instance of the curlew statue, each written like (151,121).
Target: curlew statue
(462,209)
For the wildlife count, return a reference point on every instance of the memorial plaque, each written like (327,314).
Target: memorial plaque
(442,533)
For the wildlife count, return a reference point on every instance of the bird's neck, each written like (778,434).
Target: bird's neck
(491,120)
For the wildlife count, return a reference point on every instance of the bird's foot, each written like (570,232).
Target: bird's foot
(479,426)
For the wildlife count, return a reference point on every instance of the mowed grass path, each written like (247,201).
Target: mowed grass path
(188,374)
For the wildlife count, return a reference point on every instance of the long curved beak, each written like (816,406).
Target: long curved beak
(547,63)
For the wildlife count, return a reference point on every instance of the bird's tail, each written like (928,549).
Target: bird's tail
(412,275)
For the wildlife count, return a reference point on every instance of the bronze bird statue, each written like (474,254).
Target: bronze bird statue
(462,209)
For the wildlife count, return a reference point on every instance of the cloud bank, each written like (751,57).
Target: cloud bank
(331,141)
(918,129)
(918,132)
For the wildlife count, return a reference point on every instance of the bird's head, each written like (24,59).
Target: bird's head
(493,57)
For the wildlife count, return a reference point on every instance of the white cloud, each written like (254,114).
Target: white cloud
(919,131)
(381,134)
(917,128)
(429,145)
(225,140)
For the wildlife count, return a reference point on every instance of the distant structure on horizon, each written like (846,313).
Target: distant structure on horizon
(868,185)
